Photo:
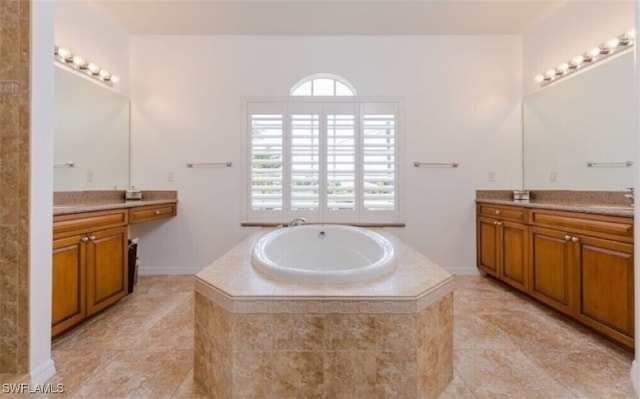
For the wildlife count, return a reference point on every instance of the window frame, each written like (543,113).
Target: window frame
(283,105)
(334,77)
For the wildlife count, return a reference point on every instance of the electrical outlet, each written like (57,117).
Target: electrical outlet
(491,177)
(89,176)
(553,176)
(171,177)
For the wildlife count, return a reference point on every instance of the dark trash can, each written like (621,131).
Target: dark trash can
(133,263)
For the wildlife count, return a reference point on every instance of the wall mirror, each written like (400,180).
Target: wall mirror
(91,135)
(579,133)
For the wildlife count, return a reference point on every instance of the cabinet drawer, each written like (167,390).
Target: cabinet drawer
(85,222)
(612,227)
(503,212)
(152,212)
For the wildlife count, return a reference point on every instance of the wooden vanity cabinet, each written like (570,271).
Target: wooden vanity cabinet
(89,265)
(107,272)
(577,263)
(502,244)
(68,287)
(152,212)
(592,261)
(552,262)
(605,287)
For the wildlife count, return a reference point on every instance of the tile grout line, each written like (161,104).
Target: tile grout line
(544,369)
(143,334)
(96,371)
(455,369)
(173,394)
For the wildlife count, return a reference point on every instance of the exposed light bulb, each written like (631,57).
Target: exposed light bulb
(79,62)
(594,52)
(613,43)
(64,53)
(66,57)
(93,68)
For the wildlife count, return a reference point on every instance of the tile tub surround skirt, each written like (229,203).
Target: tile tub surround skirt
(340,355)
(299,343)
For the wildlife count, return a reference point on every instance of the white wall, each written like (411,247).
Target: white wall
(84,30)
(573,28)
(41,192)
(462,102)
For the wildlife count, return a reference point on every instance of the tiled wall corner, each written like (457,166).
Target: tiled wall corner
(15,16)
(212,347)
(435,348)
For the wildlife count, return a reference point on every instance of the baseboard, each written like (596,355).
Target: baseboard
(168,271)
(43,372)
(462,271)
(634,377)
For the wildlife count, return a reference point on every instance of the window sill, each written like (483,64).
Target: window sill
(371,225)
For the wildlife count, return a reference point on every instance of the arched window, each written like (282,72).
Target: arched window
(329,159)
(323,84)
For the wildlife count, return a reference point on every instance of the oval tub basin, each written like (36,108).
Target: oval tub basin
(323,254)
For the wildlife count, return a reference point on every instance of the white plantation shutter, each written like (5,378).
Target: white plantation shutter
(305,161)
(378,161)
(267,132)
(324,160)
(341,162)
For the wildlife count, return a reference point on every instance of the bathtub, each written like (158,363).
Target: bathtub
(323,254)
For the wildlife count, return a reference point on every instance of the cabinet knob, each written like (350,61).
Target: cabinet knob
(92,238)
(497,211)
(85,239)
(157,212)
(575,239)
(567,237)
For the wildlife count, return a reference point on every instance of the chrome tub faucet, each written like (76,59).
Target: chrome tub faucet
(297,222)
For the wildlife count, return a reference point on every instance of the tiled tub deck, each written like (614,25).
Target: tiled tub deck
(388,338)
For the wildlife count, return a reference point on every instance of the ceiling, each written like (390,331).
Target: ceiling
(325,17)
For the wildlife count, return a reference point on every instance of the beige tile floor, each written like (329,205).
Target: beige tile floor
(505,345)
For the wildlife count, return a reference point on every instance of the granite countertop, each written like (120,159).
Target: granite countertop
(79,208)
(571,206)
(70,202)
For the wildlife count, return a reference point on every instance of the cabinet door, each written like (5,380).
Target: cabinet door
(552,263)
(488,259)
(514,255)
(106,268)
(605,277)
(68,306)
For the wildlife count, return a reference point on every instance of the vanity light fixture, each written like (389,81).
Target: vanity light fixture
(612,46)
(65,57)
